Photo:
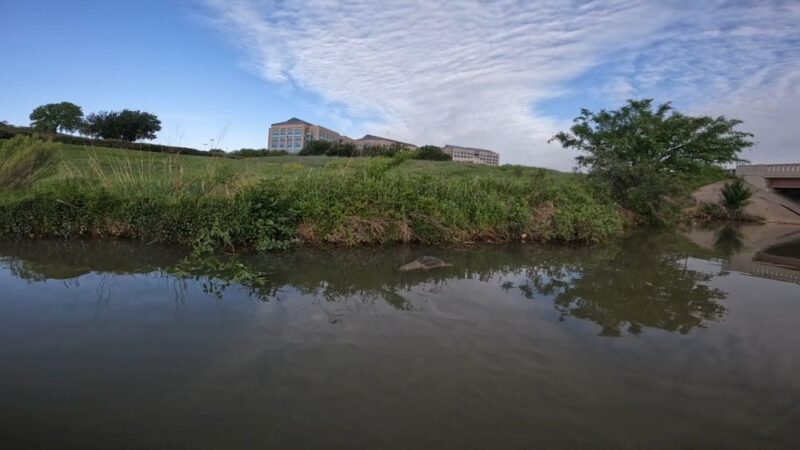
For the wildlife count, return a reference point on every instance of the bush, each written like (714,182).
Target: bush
(256,153)
(735,197)
(313,148)
(345,150)
(24,160)
(432,153)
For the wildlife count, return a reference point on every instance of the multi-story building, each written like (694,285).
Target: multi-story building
(377,141)
(472,155)
(294,133)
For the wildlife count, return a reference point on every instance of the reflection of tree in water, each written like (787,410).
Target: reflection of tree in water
(728,240)
(629,286)
(632,286)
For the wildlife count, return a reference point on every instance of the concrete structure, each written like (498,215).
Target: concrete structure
(776,192)
(766,251)
(771,176)
(472,155)
(377,141)
(294,133)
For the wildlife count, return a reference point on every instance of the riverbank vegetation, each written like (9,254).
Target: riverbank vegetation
(232,205)
(649,157)
(640,163)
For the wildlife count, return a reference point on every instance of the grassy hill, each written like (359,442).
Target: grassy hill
(83,158)
(271,202)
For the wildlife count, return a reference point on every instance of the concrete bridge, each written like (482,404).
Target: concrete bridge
(776,196)
(772,176)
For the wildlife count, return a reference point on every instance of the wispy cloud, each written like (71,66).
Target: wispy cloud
(471,72)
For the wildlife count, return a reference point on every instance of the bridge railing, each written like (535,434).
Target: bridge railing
(774,170)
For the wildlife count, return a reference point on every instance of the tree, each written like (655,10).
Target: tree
(123,125)
(735,196)
(432,153)
(643,154)
(54,117)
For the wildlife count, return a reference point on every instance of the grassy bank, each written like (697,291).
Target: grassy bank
(268,203)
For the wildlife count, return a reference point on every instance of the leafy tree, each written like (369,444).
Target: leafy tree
(645,154)
(54,117)
(123,125)
(432,153)
(735,197)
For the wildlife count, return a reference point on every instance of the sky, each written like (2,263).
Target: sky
(505,75)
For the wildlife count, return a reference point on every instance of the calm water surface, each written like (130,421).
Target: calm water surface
(668,341)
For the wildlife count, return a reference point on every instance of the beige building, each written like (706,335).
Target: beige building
(294,133)
(377,141)
(472,155)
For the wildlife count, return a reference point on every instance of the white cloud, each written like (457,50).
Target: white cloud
(470,72)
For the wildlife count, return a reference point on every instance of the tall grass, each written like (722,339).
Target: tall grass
(150,174)
(24,160)
(383,200)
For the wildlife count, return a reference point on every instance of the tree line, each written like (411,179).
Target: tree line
(348,149)
(65,117)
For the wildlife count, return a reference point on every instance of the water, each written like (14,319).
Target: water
(665,341)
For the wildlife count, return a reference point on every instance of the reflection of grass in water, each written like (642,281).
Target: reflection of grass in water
(728,240)
(624,287)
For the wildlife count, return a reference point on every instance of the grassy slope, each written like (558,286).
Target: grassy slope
(80,158)
(268,202)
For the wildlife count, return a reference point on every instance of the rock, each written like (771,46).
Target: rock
(424,263)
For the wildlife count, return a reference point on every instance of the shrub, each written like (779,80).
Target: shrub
(24,160)
(256,153)
(346,150)
(312,148)
(735,197)
(432,153)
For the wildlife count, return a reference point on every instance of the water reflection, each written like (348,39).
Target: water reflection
(767,251)
(625,287)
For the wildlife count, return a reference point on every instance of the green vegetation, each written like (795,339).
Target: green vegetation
(641,163)
(735,196)
(125,125)
(426,152)
(647,158)
(431,153)
(54,117)
(268,203)
(256,153)
(23,161)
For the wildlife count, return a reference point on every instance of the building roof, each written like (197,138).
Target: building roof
(371,137)
(293,121)
(474,149)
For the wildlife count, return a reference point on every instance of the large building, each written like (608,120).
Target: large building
(472,155)
(377,141)
(294,133)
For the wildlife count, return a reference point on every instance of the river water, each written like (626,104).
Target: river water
(663,341)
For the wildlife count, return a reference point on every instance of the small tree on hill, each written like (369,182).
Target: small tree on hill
(54,117)
(643,153)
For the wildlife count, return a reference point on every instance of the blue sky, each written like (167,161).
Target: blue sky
(499,74)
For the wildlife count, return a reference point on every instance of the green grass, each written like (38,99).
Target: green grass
(272,202)
(81,158)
